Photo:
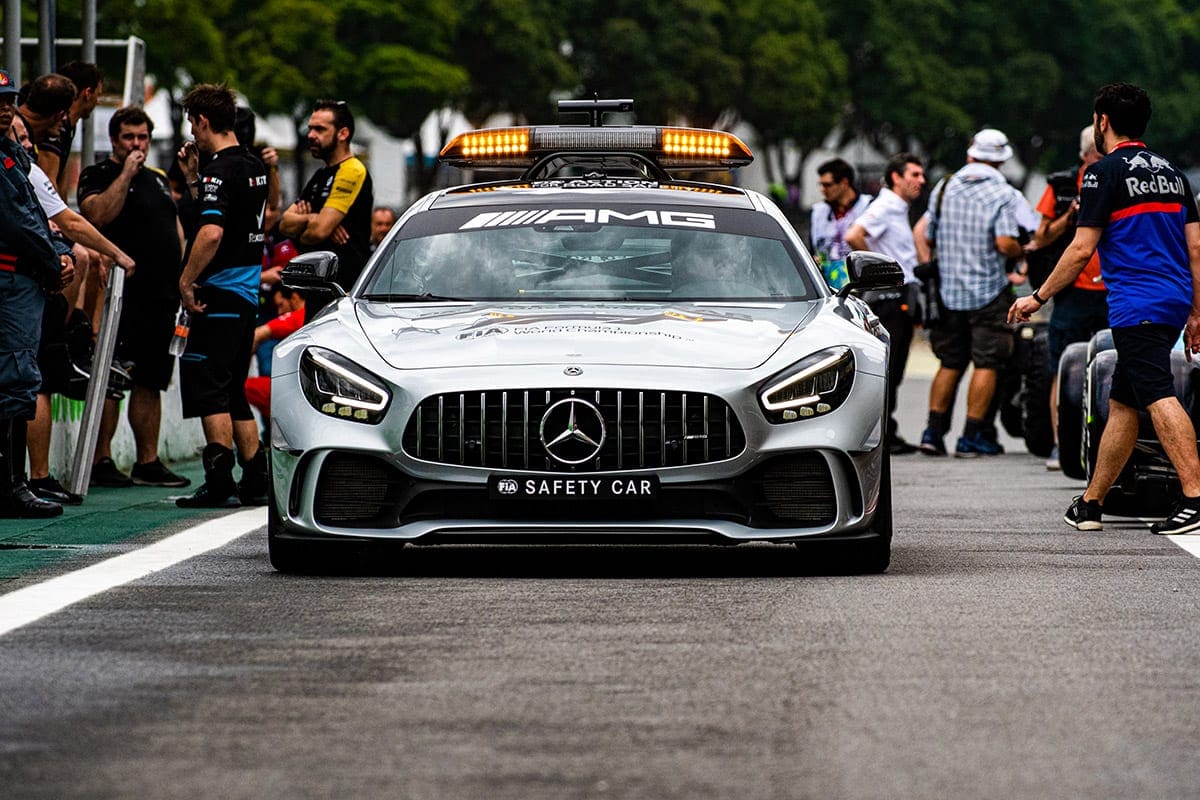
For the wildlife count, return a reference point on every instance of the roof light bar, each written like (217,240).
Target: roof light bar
(670,148)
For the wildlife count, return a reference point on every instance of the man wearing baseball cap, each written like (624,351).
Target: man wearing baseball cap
(32,263)
(973,221)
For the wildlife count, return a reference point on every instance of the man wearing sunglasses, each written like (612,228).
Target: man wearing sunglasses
(334,210)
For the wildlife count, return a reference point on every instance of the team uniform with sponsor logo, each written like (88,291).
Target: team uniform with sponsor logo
(345,186)
(146,230)
(1143,203)
(213,369)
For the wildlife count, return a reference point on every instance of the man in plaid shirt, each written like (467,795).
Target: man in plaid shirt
(973,224)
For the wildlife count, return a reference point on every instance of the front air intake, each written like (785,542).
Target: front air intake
(357,491)
(794,491)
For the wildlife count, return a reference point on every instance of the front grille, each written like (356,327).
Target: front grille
(357,491)
(644,429)
(794,491)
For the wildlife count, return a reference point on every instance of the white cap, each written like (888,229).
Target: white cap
(990,145)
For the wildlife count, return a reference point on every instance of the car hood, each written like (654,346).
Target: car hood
(725,336)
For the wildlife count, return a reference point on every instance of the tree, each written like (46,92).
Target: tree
(931,72)
(513,51)
(795,75)
(404,66)
(670,57)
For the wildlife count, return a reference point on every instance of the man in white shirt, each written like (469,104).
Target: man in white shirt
(832,217)
(884,227)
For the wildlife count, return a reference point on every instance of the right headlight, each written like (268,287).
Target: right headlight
(813,386)
(335,385)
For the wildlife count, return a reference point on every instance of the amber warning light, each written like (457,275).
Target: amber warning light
(670,148)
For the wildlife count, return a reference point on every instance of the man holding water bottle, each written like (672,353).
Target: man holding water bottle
(131,204)
(219,286)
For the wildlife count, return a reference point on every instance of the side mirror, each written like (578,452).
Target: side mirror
(313,272)
(870,270)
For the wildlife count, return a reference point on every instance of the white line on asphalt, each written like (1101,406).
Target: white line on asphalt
(31,603)
(1189,542)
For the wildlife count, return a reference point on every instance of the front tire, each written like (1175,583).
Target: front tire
(288,556)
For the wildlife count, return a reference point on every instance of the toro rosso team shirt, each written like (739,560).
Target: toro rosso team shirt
(233,195)
(1142,203)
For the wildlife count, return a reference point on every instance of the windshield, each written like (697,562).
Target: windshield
(586,260)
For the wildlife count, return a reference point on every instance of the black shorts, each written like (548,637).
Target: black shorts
(213,369)
(981,336)
(1143,374)
(143,338)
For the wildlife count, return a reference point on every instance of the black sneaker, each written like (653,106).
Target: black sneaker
(1084,515)
(48,488)
(156,474)
(1184,517)
(207,497)
(105,473)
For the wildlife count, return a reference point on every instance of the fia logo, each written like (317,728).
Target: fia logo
(507,486)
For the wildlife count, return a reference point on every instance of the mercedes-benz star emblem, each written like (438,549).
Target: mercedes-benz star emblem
(572,431)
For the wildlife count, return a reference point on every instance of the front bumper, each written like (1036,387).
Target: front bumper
(811,479)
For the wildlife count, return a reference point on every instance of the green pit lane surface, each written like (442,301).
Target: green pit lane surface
(107,517)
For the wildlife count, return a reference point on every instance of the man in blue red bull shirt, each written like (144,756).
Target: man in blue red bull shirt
(1139,211)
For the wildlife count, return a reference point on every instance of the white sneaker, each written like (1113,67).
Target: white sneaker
(1052,462)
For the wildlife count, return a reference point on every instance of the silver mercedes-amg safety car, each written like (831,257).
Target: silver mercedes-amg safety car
(595,351)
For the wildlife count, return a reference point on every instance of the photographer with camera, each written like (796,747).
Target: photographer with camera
(974,222)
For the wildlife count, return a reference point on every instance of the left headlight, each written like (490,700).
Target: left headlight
(336,386)
(813,386)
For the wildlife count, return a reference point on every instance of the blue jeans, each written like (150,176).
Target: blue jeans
(21,302)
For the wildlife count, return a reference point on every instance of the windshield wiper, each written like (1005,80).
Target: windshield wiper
(412,298)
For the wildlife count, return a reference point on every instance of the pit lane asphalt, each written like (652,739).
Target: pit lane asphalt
(1003,655)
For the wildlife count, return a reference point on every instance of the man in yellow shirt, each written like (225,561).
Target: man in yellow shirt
(334,210)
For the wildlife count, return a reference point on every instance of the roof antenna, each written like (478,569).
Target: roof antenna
(595,108)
